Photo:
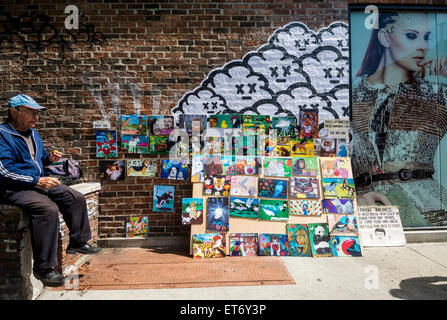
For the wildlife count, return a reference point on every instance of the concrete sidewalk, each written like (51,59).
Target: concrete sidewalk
(416,271)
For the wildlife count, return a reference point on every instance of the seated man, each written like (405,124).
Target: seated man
(23,183)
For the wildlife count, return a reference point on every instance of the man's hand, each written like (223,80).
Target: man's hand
(370,199)
(48,182)
(55,156)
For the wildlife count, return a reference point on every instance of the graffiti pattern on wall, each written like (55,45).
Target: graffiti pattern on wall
(34,33)
(297,68)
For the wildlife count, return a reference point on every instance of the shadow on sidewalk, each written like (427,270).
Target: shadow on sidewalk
(422,288)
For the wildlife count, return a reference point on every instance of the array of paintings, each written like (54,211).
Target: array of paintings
(285,186)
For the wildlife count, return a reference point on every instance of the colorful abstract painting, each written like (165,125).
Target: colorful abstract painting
(137,227)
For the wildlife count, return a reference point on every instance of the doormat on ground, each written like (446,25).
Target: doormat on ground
(140,268)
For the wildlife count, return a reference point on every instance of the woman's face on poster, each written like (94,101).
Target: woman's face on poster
(407,39)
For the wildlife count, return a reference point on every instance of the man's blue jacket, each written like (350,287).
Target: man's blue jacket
(18,170)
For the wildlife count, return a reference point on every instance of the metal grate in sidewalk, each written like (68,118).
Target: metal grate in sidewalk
(137,268)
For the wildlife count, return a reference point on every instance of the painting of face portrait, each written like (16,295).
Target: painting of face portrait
(397,131)
(277,167)
(161,125)
(244,186)
(305,166)
(308,124)
(243,244)
(112,170)
(299,242)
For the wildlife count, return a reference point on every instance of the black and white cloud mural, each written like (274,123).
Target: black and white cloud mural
(298,67)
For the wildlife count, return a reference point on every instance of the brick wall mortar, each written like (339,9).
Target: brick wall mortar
(168,48)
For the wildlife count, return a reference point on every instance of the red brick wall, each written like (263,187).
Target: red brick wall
(167,48)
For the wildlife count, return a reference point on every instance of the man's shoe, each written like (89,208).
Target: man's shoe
(83,248)
(50,277)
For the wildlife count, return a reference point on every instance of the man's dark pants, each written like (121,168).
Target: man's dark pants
(43,207)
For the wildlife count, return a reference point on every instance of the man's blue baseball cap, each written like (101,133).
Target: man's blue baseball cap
(24,100)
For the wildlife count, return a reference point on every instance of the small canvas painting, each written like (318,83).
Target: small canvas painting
(193,122)
(244,207)
(273,210)
(208,245)
(217,214)
(308,124)
(174,169)
(273,244)
(285,126)
(244,186)
(344,206)
(272,188)
(216,185)
(163,198)
(243,244)
(112,169)
(225,121)
(304,188)
(255,124)
(134,125)
(299,242)
(328,147)
(106,144)
(141,168)
(305,166)
(346,246)
(135,144)
(333,167)
(137,227)
(320,240)
(277,167)
(342,225)
(192,210)
(305,207)
(159,145)
(161,125)
(197,168)
(338,188)
(246,165)
(301,147)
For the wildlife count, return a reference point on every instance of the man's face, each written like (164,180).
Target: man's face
(24,117)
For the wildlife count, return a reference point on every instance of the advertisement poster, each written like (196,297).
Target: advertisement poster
(399,112)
